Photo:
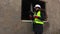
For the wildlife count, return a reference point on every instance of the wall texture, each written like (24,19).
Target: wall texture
(53,11)
(10,18)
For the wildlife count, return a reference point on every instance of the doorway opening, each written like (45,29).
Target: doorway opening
(27,7)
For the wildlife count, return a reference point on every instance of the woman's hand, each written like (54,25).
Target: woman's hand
(30,17)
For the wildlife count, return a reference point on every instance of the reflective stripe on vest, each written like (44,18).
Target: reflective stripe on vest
(36,20)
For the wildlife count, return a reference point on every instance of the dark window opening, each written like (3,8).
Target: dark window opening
(26,8)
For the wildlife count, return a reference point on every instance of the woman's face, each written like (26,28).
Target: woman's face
(36,8)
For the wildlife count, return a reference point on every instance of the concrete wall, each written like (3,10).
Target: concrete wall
(10,18)
(53,11)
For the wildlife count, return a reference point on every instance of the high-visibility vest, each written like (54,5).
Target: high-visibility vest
(36,20)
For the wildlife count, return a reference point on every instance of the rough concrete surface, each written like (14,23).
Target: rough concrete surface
(10,18)
(53,11)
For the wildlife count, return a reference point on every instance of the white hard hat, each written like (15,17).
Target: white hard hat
(37,5)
